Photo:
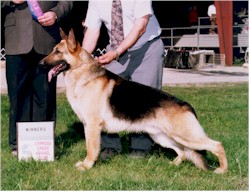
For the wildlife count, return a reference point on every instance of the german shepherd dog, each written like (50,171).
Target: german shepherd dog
(106,102)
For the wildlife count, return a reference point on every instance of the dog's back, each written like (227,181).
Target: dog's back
(133,101)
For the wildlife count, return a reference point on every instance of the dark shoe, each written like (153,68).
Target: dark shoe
(136,154)
(107,154)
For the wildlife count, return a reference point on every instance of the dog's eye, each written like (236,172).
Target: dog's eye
(57,51)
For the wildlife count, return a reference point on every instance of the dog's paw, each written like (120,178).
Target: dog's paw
(220,171)
(174,163)
(177,161)
(80,166)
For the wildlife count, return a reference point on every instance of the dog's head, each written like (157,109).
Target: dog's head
(65,55)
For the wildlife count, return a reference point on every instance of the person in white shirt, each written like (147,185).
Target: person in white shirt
(212,14)
(139,57)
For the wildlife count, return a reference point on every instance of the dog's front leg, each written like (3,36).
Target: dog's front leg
(92,136)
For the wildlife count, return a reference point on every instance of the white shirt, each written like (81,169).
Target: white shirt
(100,11)
(211,10)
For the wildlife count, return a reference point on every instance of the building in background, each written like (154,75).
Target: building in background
(170,14)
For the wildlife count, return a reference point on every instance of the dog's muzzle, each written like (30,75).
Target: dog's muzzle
(56,69)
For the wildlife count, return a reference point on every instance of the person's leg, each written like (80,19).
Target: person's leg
(140,144)
(111,143)
(149,72)
(149,61)
(144,66)
(44,93)
(18,82)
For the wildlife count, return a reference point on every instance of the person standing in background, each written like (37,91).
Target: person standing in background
(212,14)
(27,41)
(193,16)
(135,53)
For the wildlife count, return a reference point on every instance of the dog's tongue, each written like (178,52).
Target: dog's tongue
(51,74)
(54,72)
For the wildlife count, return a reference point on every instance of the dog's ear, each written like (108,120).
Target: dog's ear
(71,40)
(63,35)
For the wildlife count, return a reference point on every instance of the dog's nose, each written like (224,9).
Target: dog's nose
(41,62)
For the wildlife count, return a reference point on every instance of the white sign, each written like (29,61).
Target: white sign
(35,141)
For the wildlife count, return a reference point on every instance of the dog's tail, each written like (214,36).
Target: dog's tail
(196,158)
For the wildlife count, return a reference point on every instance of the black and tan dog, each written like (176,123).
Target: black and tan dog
(104,101)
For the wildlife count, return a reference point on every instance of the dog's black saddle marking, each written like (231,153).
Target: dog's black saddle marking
(133,101)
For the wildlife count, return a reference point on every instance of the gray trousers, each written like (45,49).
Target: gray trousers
(145,66)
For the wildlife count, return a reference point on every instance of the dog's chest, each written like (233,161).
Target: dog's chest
(86,98)
(73,93)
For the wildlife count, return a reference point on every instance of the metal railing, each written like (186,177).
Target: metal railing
(194,34)
(200,33)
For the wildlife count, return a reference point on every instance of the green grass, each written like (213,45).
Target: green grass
(222,111)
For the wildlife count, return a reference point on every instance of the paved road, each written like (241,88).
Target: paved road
(208,75)
(172,77)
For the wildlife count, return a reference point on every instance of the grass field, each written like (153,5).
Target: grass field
(222,111)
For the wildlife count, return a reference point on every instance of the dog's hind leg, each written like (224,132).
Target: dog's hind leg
(183,153)
(207,144)
(92,136)
(163,140)
(196,158)
(190,134)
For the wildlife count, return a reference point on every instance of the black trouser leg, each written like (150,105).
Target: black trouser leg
(44,96)
(112,141)
(141,142)
(18,81)
(32,97)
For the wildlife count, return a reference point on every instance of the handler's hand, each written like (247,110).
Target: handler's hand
(108,57)
(47,19)
(18,1)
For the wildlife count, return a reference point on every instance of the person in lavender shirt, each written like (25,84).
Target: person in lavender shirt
(138,58)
